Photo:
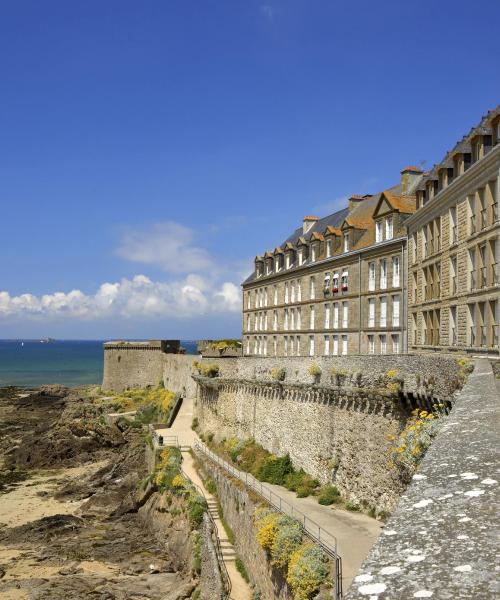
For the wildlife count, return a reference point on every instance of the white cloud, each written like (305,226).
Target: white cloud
(139,297)
(167,245)
(330,207)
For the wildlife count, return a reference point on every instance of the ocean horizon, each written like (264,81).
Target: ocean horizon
(34,362)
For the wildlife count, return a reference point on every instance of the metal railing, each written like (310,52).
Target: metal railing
(315,532)
(226,580)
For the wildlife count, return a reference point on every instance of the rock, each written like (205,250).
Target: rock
(2,572)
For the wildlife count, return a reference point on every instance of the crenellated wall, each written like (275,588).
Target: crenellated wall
(337,430)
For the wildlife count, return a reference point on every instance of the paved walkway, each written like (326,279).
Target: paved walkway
(240,590)
(356,533)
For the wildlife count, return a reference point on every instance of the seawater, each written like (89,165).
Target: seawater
(30,363)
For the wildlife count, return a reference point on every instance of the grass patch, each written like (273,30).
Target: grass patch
(240,567)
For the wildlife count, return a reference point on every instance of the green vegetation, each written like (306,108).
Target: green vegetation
(241,569)
(278,373)
(304,565)
(206,369)
(169,479)
(328,495)
(195,424)
(150,404)
(227,528)
(352,506)
(223,344)
(315,370)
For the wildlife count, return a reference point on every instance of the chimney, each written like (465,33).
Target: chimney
(308,223)
(410,176)
(355,199)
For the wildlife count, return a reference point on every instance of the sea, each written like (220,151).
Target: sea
(31,363)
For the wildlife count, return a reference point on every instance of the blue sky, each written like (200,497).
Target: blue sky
(150,149)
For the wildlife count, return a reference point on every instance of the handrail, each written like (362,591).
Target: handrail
(310,528)
(226,580)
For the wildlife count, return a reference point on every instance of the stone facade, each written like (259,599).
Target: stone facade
(454,251)
(140,364)
(334,432)
(336,289)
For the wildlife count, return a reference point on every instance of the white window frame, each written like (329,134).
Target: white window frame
(336,315)
(327,316)
(312,288)
(389,228)
(383,344)
(345,315)
(311,317)
(379,231)
(371,344)
(396,271)
(326,345)
(311,345)
(371,312)
(383,311)
(383,274)
(335,348)
(346,241)
(372,276)
(396,310)
(344,345)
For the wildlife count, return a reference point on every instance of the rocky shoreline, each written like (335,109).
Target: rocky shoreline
(76,521)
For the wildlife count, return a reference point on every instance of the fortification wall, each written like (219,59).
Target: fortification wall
(128,365)
(238,506)
(336,433)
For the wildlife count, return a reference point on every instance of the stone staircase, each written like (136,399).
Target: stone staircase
(228,551)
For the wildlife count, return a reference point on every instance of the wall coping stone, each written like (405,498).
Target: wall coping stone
(442,540)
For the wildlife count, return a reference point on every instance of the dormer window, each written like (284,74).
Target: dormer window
(329,248)
(477,149)
(378,232)
(288,260)
(301,256)
(388,228)
(346,241)
(313,252)
(269,267)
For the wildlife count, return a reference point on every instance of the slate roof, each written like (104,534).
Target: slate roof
(334,220)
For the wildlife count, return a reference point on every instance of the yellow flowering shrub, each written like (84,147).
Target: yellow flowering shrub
(178,482)
(267,529)
(307,570)
(411,445)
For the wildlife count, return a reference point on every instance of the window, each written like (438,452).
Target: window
(453,225)
(265,321)
(311,345)
(378,232)
(345,314)
(336,315)
(292,319)
(395,311)
(285,345)
(335,284)
(249,299)
(301,256)
(383,311)
(298,345)
(326,284)
(288,260)
(371,312)
(335,345)
(286,292)
(395,344)
(265,345)
(255,346)
(344,345)
(248,345)
(311,318)
(326,346)
(453,326)
(327,316)
(313,252)
(292,292)
(275,295)
(292,345)
(414,248)
(328,248)
(275,346)
(346,241)
(312,289)
(269,266)
(345,281)
(383,274)
(277,264)
(286,319)
(275,320)
(371,276)
(299,318)
(371,344)
(383,344)
(388,228)
(299,290)
(395,271)
(265,297)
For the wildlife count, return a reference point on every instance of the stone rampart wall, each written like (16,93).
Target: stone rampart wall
(131,366)
(335,433)
(238,508)
(127,366)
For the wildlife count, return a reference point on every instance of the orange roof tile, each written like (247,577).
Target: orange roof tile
(316,236)
(334,230)
(311,218)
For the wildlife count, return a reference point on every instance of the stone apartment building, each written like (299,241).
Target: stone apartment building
(337,285)
(454,255)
